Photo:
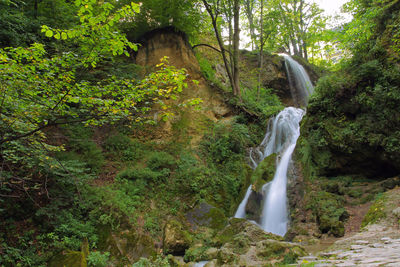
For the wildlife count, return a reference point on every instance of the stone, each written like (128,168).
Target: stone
(206,215)
(356,247)
(176,238)
(362,242)
(396,212)
(376,245)
(391,183)
(254,206)
(330,253)
(211,253)
(245,244)
(69,258)
(308,258)
(127,246)
(264,172)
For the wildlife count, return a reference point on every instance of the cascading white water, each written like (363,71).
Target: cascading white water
(274,217)
(299,81)
(241,211)
(281,137)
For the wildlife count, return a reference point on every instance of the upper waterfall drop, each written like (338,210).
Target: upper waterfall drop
(300,84)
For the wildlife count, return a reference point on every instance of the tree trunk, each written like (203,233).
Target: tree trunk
(35,9)
(250,16)
(236,32)
(214,18)
(261,50)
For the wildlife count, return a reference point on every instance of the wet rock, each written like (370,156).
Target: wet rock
(254,206)
(264,172)
(176,238)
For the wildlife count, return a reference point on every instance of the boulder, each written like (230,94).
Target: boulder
(69,258)
(264,172)
(206,215)
(72,258)
(391,183)
(176,238)
(254,206)
(396,212)
(127,246)
(245,244)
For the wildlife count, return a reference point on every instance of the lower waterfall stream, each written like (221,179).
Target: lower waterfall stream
(281,137)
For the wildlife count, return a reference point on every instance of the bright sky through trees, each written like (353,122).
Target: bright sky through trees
(331,7)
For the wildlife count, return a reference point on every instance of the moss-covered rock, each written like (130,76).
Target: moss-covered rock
(72,258)
(176,238)
(207,215)
(241,226)
(329,212)
(69,258)
(264,172)
(245,244)
(376,211)
(127,247)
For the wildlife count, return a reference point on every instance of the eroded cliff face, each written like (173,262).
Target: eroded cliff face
(173,44)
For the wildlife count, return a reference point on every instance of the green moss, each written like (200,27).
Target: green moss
(69,258)
(176,238)
(376,212)
(264,172)
(196,253)
(329,212)
(218,218)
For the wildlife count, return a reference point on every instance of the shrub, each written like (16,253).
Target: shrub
(160,160)
(124,147)
(98,259)
(376,211)
(145,174)
(225,140)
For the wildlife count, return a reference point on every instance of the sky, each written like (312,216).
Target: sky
(332,7)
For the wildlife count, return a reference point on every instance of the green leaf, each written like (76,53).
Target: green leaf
(136,7)
(49,33)
(57,36)
(64,36)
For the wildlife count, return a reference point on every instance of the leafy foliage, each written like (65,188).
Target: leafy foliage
(364,127)
(182,15)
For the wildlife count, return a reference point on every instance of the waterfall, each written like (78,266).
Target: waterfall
(241,211)
(282,133)
(300,84)
(274,217)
